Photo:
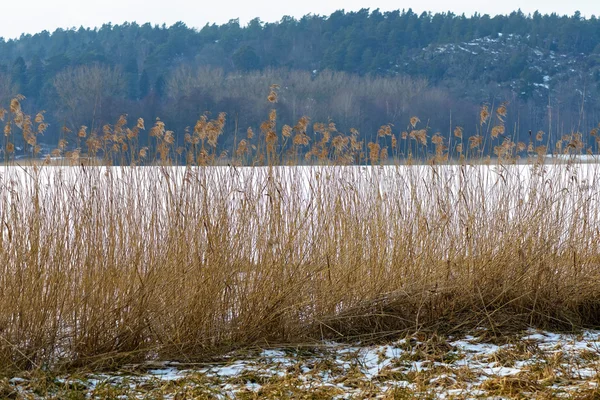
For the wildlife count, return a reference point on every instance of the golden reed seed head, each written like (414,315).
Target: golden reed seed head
(530,148)
(458,132)
(19,119)
(242,148)
(190,157)
(497,130)
(414,121)
(249,133)
(107,130)
(484,114)
(158,130)
(355,145)
(39,117)
(501,111)
(42,127)
(30,138)
(374,150)
(475,141)
(441,158)
(265,126)
(286,131)
(169,137)
(508,144)
(323,154)
(122,121)
(74,155)
(200,125)
(15,106)
(213,137)
(384,154)
(576,142)
(272,98)
(140,124)
(541,150)
(271,137)
(384,130)
(221,119)
(340,142)
(559,145)
(301,139)
(421,136)
(302,124)
(539,136)
(93,144)
(132,133)
(440,149)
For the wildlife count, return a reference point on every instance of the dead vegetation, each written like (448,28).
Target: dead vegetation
(103,266)
(466,367)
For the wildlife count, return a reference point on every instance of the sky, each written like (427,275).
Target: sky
(33,16)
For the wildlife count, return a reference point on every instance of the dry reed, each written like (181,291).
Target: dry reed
(102,265)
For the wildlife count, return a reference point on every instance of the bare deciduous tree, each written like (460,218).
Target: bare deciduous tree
(84,91)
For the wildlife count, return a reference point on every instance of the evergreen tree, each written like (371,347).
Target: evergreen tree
(35,77)
(19,74)
(246,59)
(144,85)
(132,78)
(160,86)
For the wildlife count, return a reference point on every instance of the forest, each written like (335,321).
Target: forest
(359,70)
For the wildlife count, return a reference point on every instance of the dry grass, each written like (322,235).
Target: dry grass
(463,368)
(105,265)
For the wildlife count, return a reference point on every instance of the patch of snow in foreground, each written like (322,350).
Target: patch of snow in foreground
(349,369)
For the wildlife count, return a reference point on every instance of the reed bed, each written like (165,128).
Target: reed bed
(103,265)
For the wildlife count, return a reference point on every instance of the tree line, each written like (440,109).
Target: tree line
(353,68)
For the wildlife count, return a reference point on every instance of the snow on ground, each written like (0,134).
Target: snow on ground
(465,367)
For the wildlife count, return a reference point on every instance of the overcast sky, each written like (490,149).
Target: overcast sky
(32,16)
